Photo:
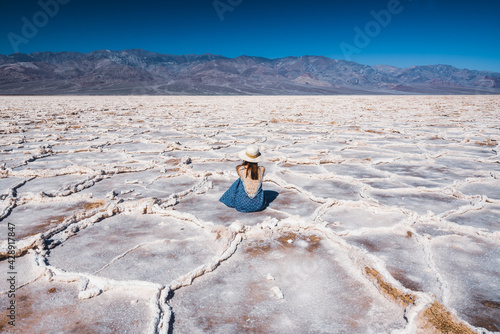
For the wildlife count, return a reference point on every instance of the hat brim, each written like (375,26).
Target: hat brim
(243,155)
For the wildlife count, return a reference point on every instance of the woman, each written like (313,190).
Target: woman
(246,194)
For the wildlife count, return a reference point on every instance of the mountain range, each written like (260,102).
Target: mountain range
(137,71)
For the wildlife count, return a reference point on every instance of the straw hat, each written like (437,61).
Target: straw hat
(251,154)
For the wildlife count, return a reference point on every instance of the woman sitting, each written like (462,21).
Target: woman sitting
(246,194)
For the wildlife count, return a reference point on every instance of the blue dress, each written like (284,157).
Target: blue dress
(236,196)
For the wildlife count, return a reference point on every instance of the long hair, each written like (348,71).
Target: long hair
(251,167)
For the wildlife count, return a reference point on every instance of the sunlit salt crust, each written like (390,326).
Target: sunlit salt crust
(116,214)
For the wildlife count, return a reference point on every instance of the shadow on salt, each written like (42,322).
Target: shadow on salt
(284,203)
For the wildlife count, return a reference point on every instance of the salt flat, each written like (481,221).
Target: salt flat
(384,218)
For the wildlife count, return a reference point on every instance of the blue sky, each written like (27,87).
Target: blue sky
(461,33)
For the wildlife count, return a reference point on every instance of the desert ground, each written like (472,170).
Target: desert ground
(384,215)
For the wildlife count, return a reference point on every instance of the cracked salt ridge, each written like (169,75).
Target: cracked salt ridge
(56,186)
(316,281)
(475,168)
(356,171)
(12,159)
(364,216)
(36,218)
(467,263)
(485,219)
(136,247)
(143,184)
(64,160)
(490,189)
(435,173)
(325,187)
(46,306)
(289,202)
(26,266)
(421,201)
(160,310)
(404,256)
(7,183)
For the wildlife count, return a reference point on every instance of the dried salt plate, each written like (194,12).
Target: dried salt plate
(277,292)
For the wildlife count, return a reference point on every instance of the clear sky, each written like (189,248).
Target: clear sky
(465,34)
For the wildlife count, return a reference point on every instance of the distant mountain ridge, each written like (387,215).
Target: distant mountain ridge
(138,71)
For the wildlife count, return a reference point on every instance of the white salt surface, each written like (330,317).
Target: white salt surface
(379,206)
(471,269)
(312,291)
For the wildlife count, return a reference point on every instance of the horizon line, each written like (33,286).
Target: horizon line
(244,55)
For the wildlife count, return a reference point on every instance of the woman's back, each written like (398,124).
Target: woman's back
(246,194)
(251,186)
